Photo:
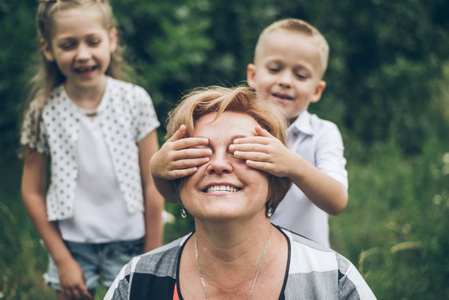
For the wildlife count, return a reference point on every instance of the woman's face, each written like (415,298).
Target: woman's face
(224,188)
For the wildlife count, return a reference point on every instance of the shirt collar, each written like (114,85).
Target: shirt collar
(102,106)
(301,124)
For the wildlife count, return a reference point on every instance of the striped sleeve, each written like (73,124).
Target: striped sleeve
(351,284)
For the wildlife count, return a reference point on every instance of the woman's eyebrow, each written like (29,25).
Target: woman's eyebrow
(238,136)
(200,147)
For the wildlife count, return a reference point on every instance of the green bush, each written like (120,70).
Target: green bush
(396,225)
(386,89)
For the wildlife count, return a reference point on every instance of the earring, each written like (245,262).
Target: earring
(183,213)
(269,212)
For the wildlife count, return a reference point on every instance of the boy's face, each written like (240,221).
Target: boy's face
(287,72)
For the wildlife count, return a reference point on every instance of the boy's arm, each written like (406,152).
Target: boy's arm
(323,190)
(70,274)
(178,157)
(266,153)
(153,201)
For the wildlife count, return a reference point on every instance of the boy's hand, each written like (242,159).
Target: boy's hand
(264,152)
(179,156)
(71,281)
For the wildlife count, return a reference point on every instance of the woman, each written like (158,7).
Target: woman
(235,252)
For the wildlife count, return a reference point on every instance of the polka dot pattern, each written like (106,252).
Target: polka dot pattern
(128,115)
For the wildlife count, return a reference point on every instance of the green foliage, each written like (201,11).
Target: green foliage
(22,257)
(396,225)
(384,61)
(386,89)
(18,39)
(385,56)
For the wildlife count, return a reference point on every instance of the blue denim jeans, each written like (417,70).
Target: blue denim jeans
(100,263)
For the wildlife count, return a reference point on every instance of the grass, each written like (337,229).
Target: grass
(395,228)
(23,258)
(396,225)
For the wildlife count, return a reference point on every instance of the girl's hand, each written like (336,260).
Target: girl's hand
(71,280)
(264,152)
(179,156)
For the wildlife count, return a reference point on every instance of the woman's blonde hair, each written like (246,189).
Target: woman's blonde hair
(217,99)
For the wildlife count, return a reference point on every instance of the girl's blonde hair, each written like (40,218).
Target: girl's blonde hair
(217,99)
(48,75)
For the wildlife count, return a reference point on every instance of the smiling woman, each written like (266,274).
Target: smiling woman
(223,188)
(235,252)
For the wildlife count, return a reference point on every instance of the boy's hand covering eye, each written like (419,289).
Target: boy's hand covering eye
(180,156)
(263,152)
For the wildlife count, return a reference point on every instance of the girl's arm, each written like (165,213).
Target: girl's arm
(33,193)
(154,202)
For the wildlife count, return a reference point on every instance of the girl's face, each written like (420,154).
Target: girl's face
(81,47)
(225,188)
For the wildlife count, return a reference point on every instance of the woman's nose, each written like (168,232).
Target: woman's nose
(220,163)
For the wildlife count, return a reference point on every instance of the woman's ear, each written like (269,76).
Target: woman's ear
(46,51)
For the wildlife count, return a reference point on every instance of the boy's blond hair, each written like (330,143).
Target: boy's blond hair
(299,26)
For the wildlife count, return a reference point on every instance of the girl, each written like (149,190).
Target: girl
(97,134)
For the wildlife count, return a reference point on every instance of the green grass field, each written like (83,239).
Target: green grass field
(395,228)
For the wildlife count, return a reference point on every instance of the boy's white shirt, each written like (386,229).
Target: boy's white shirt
(320,143)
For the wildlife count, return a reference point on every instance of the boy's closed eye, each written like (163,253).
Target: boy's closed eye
(301,76)
(302,72)
(274,67)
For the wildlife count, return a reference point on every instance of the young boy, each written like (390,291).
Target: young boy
(289,63)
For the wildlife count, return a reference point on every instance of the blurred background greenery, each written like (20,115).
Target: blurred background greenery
(387,89)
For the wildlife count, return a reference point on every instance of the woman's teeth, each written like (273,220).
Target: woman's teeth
(221,188)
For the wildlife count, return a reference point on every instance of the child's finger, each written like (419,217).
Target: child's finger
(179,134)
(260,165)
(176,174)
(191,153)
(250,145)
(261,137)
(253,156)
(85,293)
(189,163)
(262,132)
(190,142)
(180,140)
(252,140)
